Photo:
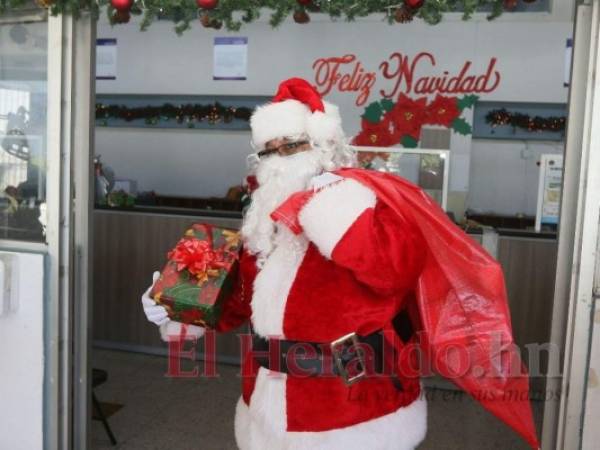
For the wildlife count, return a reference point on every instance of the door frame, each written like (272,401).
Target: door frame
(577,240)
(71,126)
(71,92)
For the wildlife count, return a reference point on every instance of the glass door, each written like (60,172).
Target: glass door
(23,150)
(46,98)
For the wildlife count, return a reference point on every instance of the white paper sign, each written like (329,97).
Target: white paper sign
(549,190)
(230,58)
(106,59)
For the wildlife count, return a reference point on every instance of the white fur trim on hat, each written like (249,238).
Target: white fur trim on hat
(327,126)
(277,120)
(293,118)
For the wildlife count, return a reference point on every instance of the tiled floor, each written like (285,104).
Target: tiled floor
(197,413)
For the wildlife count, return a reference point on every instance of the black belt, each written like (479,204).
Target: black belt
(345,357)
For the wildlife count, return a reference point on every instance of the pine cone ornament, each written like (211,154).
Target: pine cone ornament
(205,20)
(44,3)
(301,16)
(404,14)
(121,16)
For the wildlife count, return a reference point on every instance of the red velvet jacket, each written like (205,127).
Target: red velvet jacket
(353,269)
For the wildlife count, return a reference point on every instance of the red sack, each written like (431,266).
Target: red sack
(461,296)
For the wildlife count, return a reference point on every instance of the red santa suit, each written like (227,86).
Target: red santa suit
(352,257)
(351,270)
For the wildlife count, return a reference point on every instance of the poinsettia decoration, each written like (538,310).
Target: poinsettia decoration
(408,117)
(385,123)
(443,111)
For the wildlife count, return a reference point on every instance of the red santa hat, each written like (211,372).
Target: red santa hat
(297,109)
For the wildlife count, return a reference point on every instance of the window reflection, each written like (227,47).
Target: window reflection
(425,168)
(23,58)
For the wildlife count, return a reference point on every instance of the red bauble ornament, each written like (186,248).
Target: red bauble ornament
(122,5)
(301,16)
(414,3)
(304,2)
(207,4)
(510,5)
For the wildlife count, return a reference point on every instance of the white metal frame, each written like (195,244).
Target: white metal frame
(443,154)
(578,239)
(581,298)
(57,400)
(70,134)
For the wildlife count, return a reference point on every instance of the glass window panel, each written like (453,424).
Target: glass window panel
(23,99)
(426,169)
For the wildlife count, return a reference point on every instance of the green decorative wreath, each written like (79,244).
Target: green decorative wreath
(233,14)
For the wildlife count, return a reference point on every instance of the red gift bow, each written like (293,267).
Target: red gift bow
(198,257)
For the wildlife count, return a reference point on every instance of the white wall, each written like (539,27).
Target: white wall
(22,354)
(504,175)
(190,162)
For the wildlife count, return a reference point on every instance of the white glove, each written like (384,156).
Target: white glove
(172,330)
(325,179)
(155,313)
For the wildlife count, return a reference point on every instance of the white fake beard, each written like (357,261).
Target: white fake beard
(278,178)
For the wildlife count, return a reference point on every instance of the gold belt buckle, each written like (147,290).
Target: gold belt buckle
(349,340)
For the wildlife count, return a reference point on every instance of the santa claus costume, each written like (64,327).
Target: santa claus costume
(329,263)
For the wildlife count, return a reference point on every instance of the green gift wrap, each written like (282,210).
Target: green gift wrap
(199,275)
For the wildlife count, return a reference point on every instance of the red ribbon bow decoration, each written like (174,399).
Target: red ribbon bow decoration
(198,258)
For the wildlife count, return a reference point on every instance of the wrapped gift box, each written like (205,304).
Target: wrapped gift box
(199,275)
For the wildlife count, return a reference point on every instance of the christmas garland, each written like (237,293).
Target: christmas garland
(386,123)
(234,13)
(503,117)
(186,113)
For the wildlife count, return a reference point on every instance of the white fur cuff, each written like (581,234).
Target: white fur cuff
(332,211)
(172,330)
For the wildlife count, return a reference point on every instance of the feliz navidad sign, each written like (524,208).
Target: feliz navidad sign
(397,117)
